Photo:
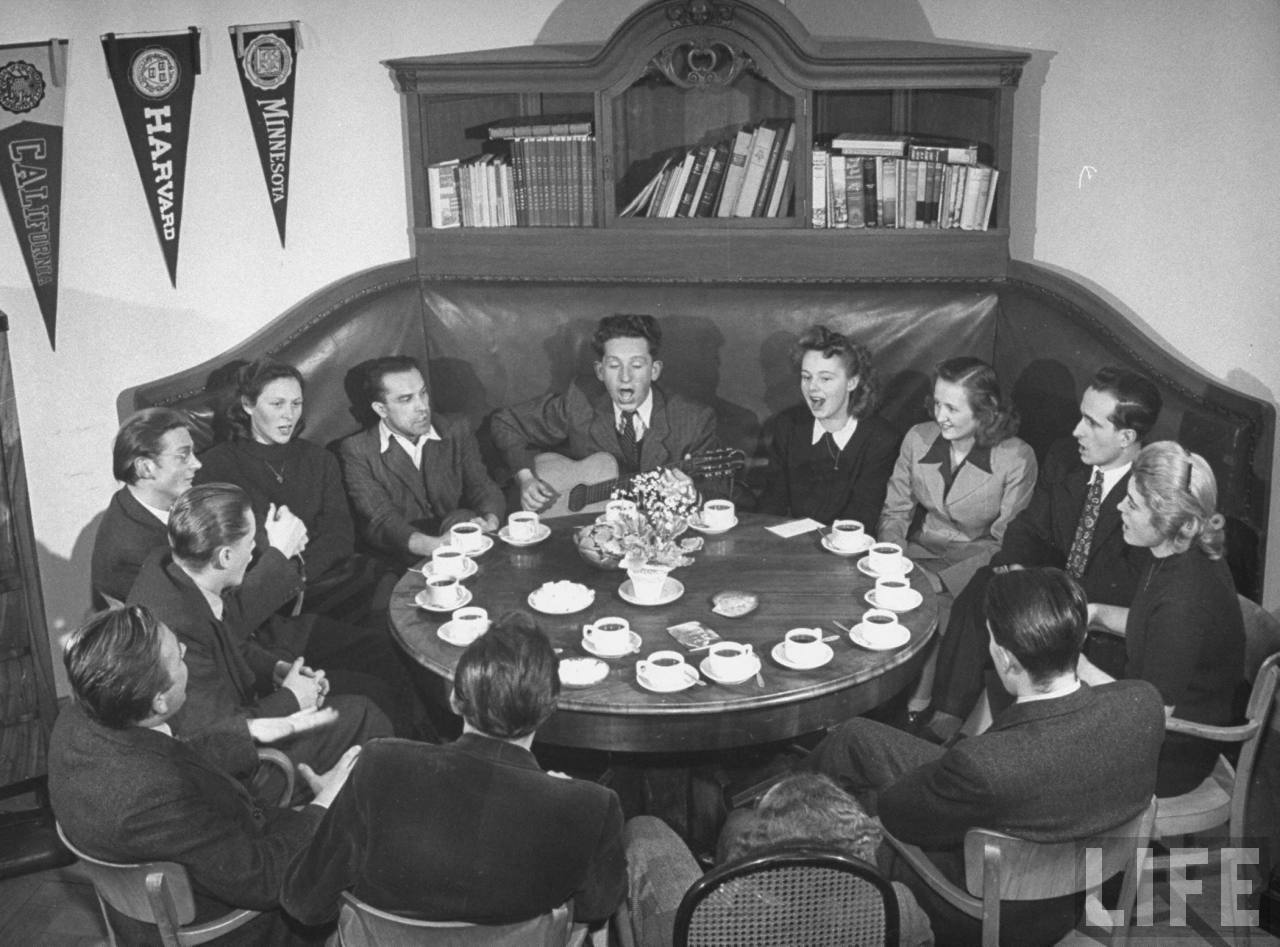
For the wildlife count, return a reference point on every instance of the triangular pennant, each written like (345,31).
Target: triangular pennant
(155,77)
(32,97)
(266,58)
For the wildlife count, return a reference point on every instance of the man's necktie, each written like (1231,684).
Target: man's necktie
(1079,555)
(627,440)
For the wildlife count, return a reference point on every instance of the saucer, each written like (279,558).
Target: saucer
(864,566)
(690,678)
(486,543)
(448,634)
(540,603)
(897,641)
(779,654)
(539,534)
(696,523)
(632,648)
(582,672)
(705,667)
(859,550)
(672,589)
(916,599)
(429,569)
(463,598)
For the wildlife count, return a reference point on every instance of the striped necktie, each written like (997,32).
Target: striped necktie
(627,440)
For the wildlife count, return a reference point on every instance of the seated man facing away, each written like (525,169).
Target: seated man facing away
(640,426)
(1065,761)
(803,809)
(240,692)
(126,790)
(472,831)
(414,474)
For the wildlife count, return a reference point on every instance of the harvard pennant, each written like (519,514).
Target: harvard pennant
(155,78)
(32,80)
(266,57)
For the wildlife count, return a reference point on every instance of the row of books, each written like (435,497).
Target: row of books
(855,190)
(546,181)
(749,175)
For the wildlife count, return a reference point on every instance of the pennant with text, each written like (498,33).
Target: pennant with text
(266,57)
(155,77)
(32,96)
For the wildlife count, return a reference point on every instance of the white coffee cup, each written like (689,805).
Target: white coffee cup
(893,592)
(663,669)
(718,514)
(730,661)
(879,624)
(887,559)
(647,582)
(608,636)
(469,623)
(616,510)
(522,525)
(466,536)
(803,645)
(442,591)
(448,560)
(848,534)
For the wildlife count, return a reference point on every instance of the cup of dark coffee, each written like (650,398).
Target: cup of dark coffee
(442,591)
(803,645)
(663,669)
(730,661)
(848,535)
(893,593)
(879,625)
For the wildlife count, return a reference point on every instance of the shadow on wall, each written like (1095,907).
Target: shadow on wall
(66,593)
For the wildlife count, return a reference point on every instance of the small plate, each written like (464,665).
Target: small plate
(672,589)
(632,648)
(428,569)
(897,641)
(463,599)
(696,523)
(583,672)
(486,543)
(916,599)
(779,654)
(560,608)
(864,566)
(704,667)
(829,546)
(447,634)
(690,678)
(541,533)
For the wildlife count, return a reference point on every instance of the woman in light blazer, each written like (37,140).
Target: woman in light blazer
(965,469)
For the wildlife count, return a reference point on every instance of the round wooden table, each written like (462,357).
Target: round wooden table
(799,584)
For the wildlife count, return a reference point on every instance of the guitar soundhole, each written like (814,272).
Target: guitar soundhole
(577,498)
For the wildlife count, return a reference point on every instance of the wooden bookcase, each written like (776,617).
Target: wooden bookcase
(680,73)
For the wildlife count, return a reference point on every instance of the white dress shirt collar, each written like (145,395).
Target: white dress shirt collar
(412,448)
(841,437)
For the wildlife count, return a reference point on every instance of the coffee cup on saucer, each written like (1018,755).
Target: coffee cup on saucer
(887,559)
(522,525)
(468,537)
(878,626)
(442,591)
(616,510)
(663,669)
(893,592)
(608,635)
(803,646)
(731,661)
(718,514)
(448,560)
(469,623)
(847,535)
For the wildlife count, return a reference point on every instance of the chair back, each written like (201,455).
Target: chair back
(788,896)
(362,925)
(1258,714)
(1000,867)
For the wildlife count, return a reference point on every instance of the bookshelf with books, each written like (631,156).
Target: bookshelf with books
(683,147)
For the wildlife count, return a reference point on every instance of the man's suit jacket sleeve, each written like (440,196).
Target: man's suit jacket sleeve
(606,881)
(329,863)
(479,492)
(521,431)
(934,805)
(382,522)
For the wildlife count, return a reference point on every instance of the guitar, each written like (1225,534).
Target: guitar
(583,486)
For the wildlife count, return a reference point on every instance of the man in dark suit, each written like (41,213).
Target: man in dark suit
(639,425)
(240,691)
(1118,410)
(415,473)
(125,790)
(1066,761)
(475,830)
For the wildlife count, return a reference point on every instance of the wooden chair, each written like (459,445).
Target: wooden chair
(999,867)
(788,896)
(159,892)
(361,925)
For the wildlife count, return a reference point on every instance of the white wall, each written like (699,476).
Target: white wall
(1163,98)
